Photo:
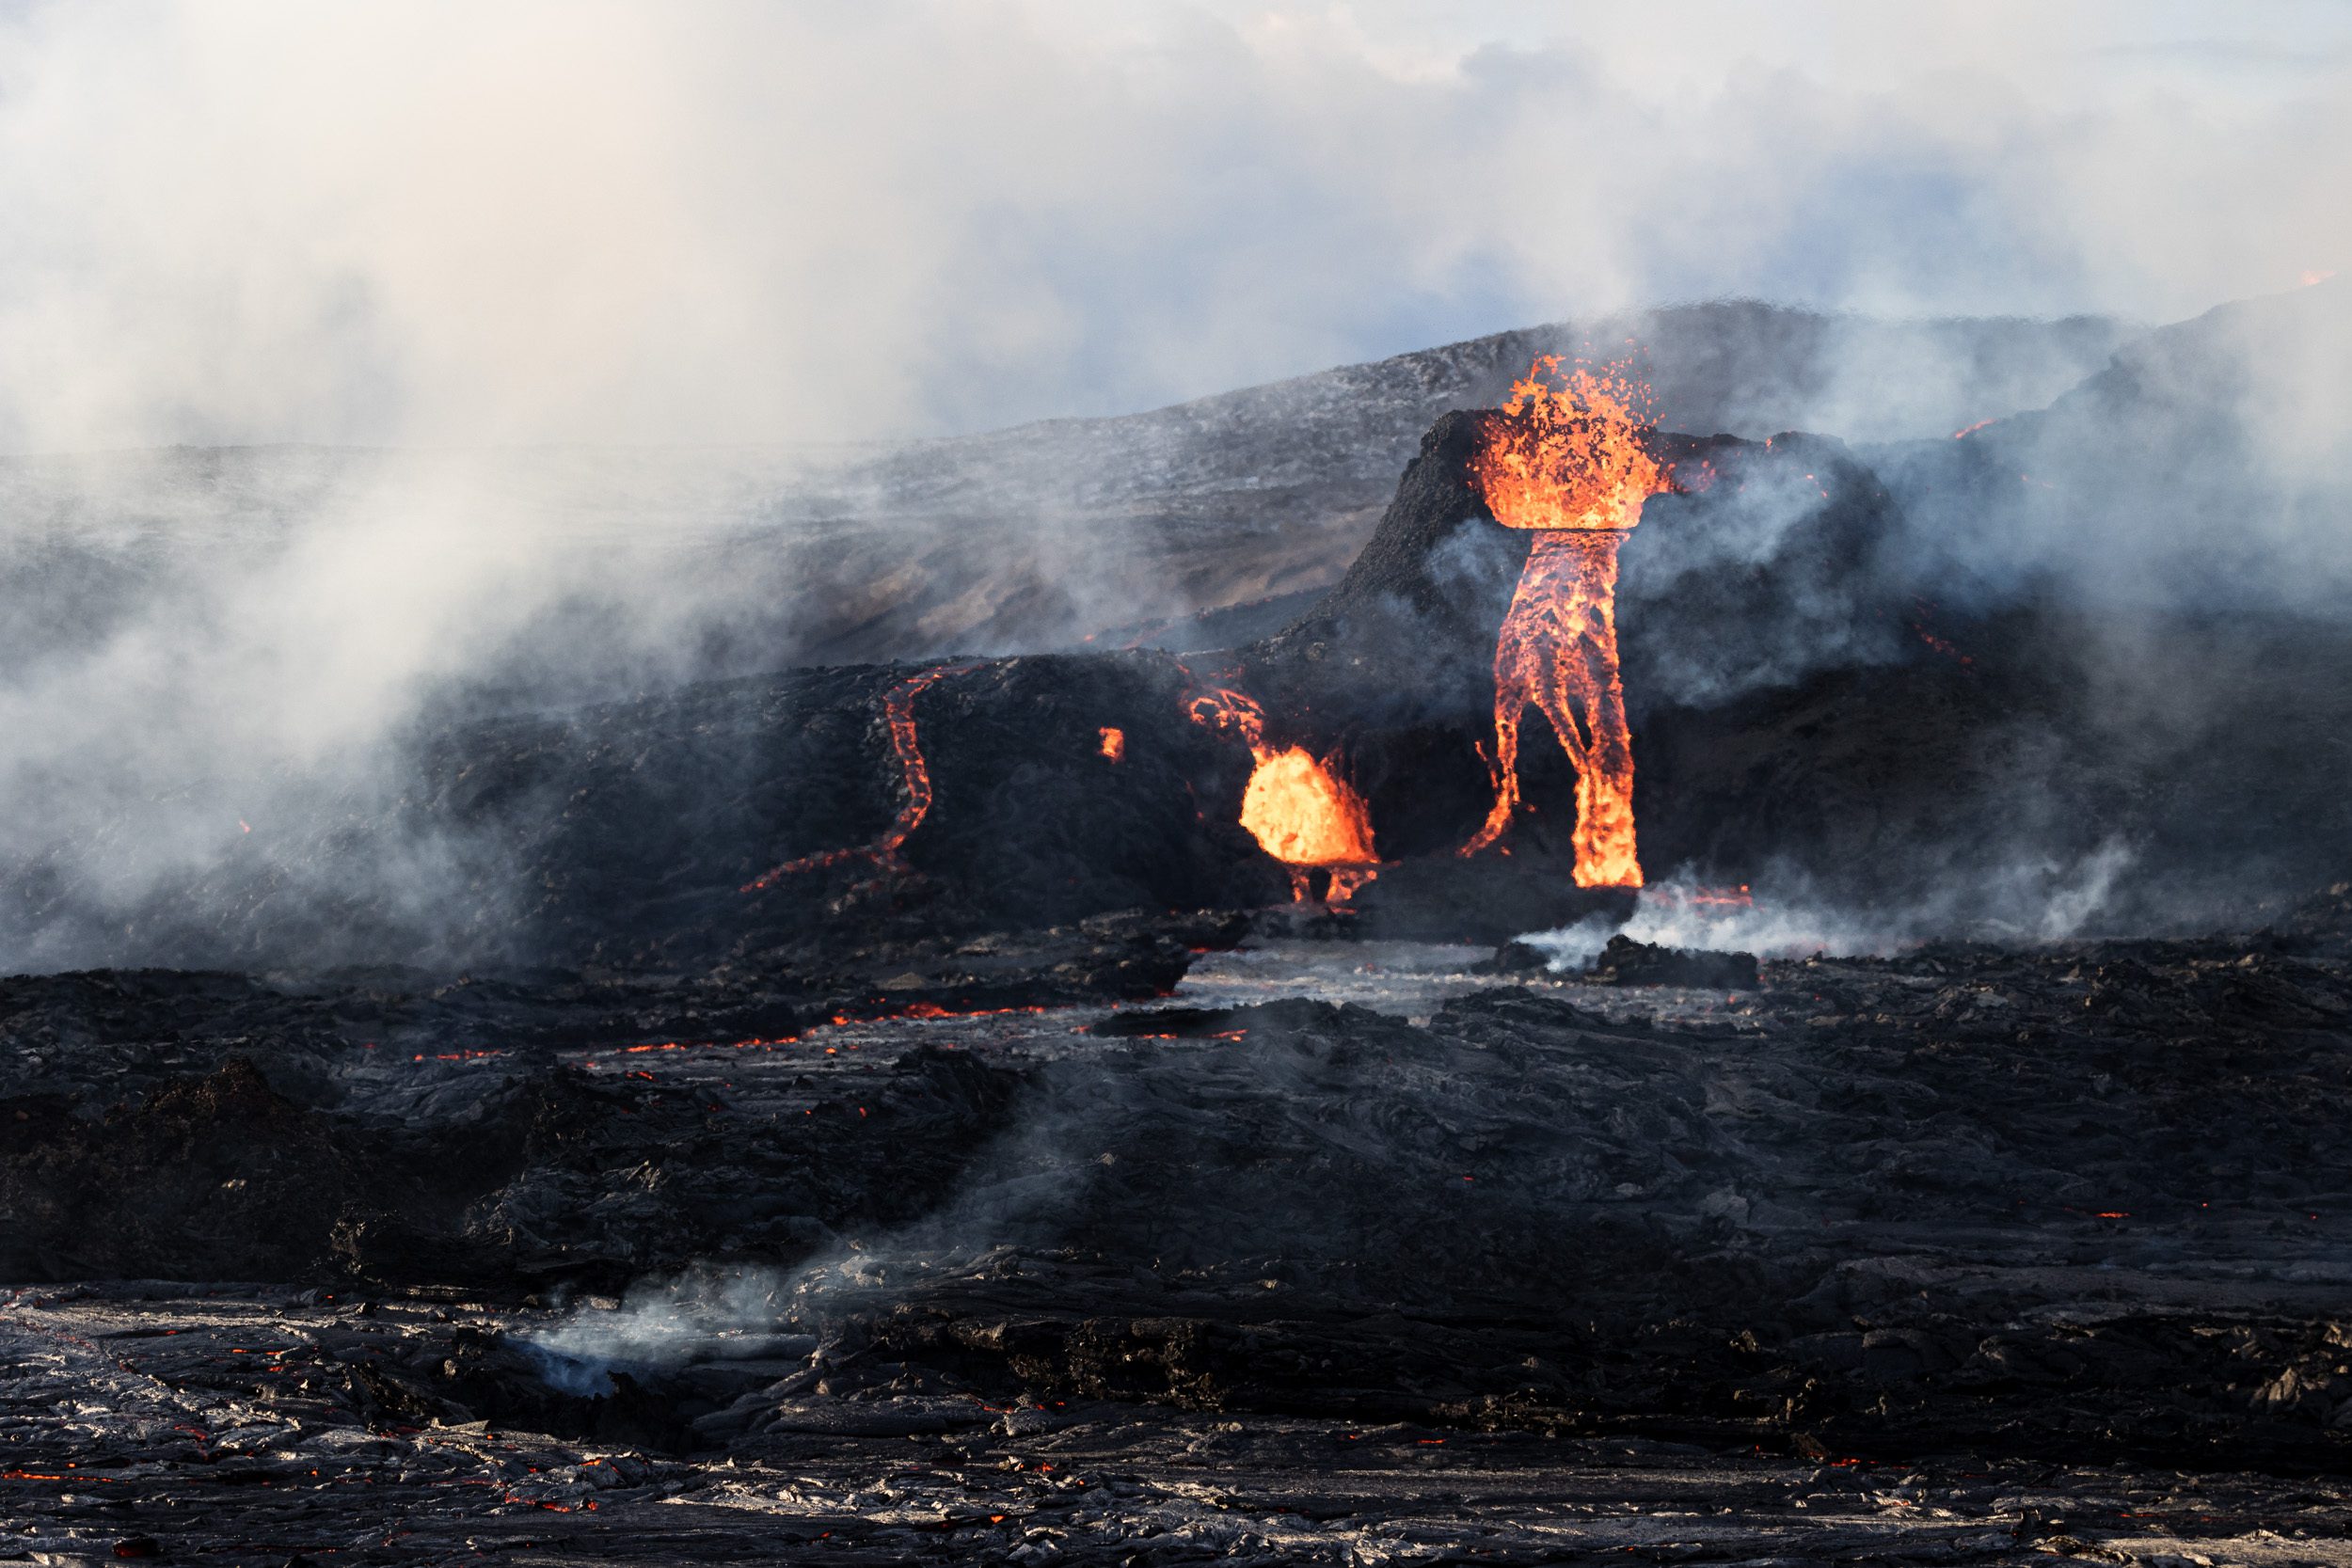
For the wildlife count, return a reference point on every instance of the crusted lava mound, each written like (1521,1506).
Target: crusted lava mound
(1802,714)
(1627,963)
(389,1125)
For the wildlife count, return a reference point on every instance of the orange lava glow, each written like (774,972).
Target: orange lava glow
(1570,456)
(916,777)
(1114,742)
(1303,815)
(1565,457)
(883,1013)
(1298,809)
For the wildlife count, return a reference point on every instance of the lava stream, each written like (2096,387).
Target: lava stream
(1570,462)
(915,776)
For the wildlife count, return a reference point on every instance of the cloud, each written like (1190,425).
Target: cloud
(531,222)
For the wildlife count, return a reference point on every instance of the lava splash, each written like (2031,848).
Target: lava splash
(1565,457)
(1299,811)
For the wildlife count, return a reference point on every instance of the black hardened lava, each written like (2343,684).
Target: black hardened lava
(2079,1204)
(1802,709)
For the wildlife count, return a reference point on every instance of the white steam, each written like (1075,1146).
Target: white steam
(2030,899)
(709,1313)
(531,221)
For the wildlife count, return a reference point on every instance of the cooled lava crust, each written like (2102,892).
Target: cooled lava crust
(2066,1221)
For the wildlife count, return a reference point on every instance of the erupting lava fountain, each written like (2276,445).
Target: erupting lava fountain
(1567,460)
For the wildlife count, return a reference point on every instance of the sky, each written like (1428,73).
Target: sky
(559,221)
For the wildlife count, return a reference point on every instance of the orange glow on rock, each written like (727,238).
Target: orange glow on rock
(1114,742)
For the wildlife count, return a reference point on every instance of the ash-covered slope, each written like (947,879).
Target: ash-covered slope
(2208,466)
(1805,714)
(667,564)
(1736,366)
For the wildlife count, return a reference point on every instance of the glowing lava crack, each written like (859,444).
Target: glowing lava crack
(914,776)
(1569,461)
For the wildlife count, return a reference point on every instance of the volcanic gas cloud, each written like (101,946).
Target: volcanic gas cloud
(1565,457)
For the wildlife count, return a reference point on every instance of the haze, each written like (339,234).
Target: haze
(522,223)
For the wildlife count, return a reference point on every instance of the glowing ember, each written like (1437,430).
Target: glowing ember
(898,711)
(1299,811)
(1569,460)
(1114,742)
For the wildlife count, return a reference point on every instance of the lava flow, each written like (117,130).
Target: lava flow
(1569,461)
(1299,811)
(898,711)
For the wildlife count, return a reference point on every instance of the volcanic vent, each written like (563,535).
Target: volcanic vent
(1720,634)
(1563,468)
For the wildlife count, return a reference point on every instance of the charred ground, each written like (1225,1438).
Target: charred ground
(2069,1222)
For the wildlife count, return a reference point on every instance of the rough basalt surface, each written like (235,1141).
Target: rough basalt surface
(1972,1253)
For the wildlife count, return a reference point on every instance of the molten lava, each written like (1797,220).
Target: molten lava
(914,775)
(1114,742)
(1303,815)
(1569,461)
(1299,811)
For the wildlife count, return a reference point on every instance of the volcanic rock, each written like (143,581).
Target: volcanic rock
(1627,963)
(1295,1212)
(954,1197)
(1514,957)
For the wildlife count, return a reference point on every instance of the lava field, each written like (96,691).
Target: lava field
(1969,1254)
(1078,1106)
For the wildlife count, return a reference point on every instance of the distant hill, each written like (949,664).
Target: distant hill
(650,566)
(2208,463)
